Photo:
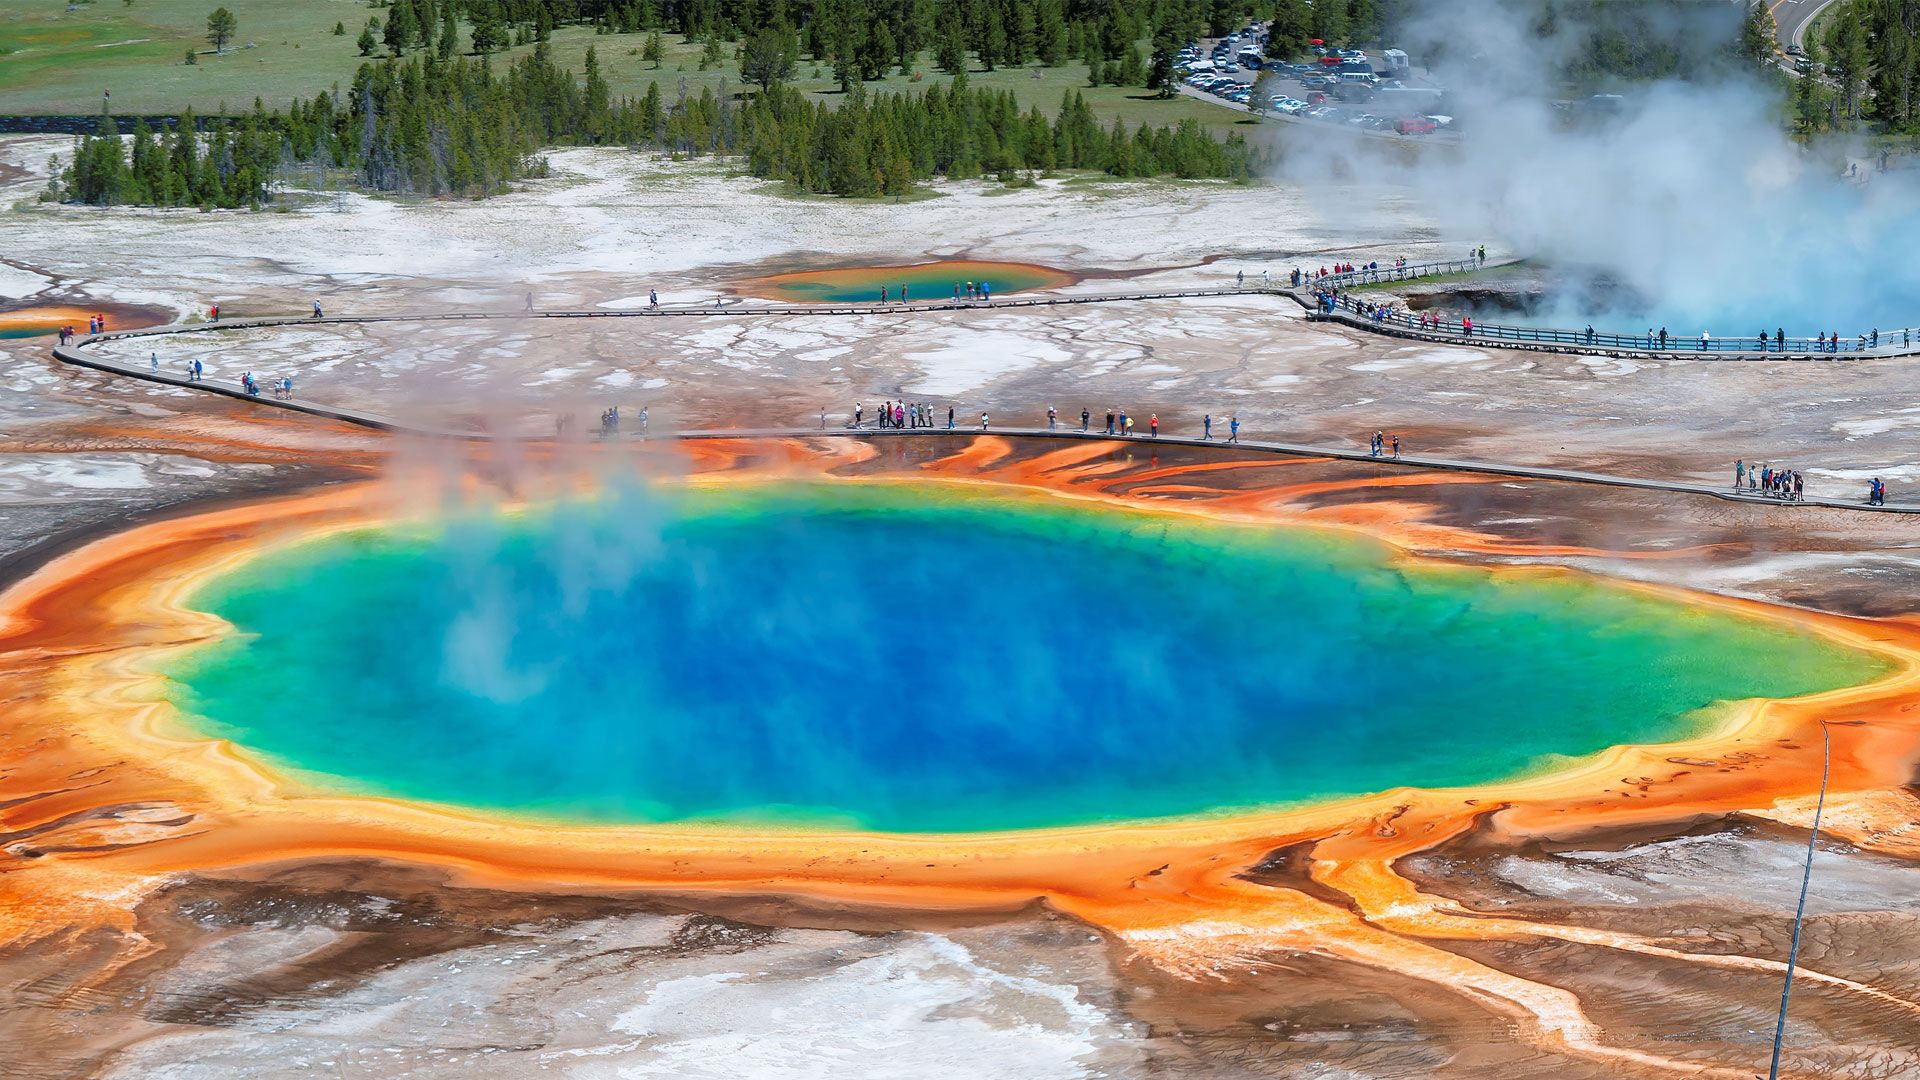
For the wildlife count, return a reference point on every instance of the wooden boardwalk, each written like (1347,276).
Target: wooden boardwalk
(76,354)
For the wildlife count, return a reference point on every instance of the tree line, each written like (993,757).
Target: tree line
(230,164)
(423,126)
(1870,52)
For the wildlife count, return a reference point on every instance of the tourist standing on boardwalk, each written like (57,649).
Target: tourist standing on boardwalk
(983,421)
(1233,429)
(153,362)
(1109,421)
(1052,416)
(1085,419)
(1206,426)
(1153,425)
(316,309)
(949,418)
(1396,446)
(1739,473)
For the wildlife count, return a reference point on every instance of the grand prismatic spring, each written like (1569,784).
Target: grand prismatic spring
(922,281)
(912,658)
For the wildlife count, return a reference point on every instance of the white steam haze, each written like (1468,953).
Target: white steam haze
(1694,196)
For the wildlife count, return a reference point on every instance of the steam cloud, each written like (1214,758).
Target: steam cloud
(1694,196)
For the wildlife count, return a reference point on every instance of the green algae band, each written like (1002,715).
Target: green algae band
(923,281)
(916,658)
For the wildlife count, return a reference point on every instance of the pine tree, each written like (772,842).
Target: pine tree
(769,56)
(1290,30)
(597,116)
(220,29)
(368,42)
(1051,30)
(991,44)
(400,30)
(449,34)
(488,32)
(1160,74)
(1329,21)
(651,115)
(1023,41)
(654,50)
(877,52)
(951,54)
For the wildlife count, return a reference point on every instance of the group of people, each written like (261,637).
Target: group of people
(281,388)
(903,414)
(610,420)
(973,290)
(1118,422)
(1766,480)
(1384,445)
(1790,484)
(96,324)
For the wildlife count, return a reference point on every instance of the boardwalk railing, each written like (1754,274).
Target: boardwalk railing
(1327,300)
(1377,275)
(77,354)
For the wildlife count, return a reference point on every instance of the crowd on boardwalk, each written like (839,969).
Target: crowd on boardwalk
(96,324)
(1766,480)
(1754,480)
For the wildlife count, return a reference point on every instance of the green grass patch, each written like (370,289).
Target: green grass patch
(59,61)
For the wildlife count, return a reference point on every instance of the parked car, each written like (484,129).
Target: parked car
(1415,125)
(1316,82)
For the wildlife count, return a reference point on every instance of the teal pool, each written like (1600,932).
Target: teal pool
(920,657)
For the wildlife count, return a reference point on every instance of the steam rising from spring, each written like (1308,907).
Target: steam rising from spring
(1693,196)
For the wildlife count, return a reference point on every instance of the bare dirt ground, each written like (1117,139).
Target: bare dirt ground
(375,970)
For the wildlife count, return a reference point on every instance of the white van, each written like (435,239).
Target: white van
(1360,78)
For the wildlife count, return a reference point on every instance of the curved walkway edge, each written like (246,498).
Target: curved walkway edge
(74,354)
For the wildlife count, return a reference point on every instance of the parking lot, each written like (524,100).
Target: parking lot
(1347,88)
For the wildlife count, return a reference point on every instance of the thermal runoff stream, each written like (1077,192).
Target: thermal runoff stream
(925,657)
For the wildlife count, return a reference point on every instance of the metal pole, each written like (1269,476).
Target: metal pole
(1800,911)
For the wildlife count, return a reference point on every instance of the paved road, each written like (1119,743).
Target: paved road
(76,354)
(1791,18)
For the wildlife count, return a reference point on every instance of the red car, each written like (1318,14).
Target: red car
(1415,125)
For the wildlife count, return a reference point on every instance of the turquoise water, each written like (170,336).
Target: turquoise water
(921,658)
(925,281)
